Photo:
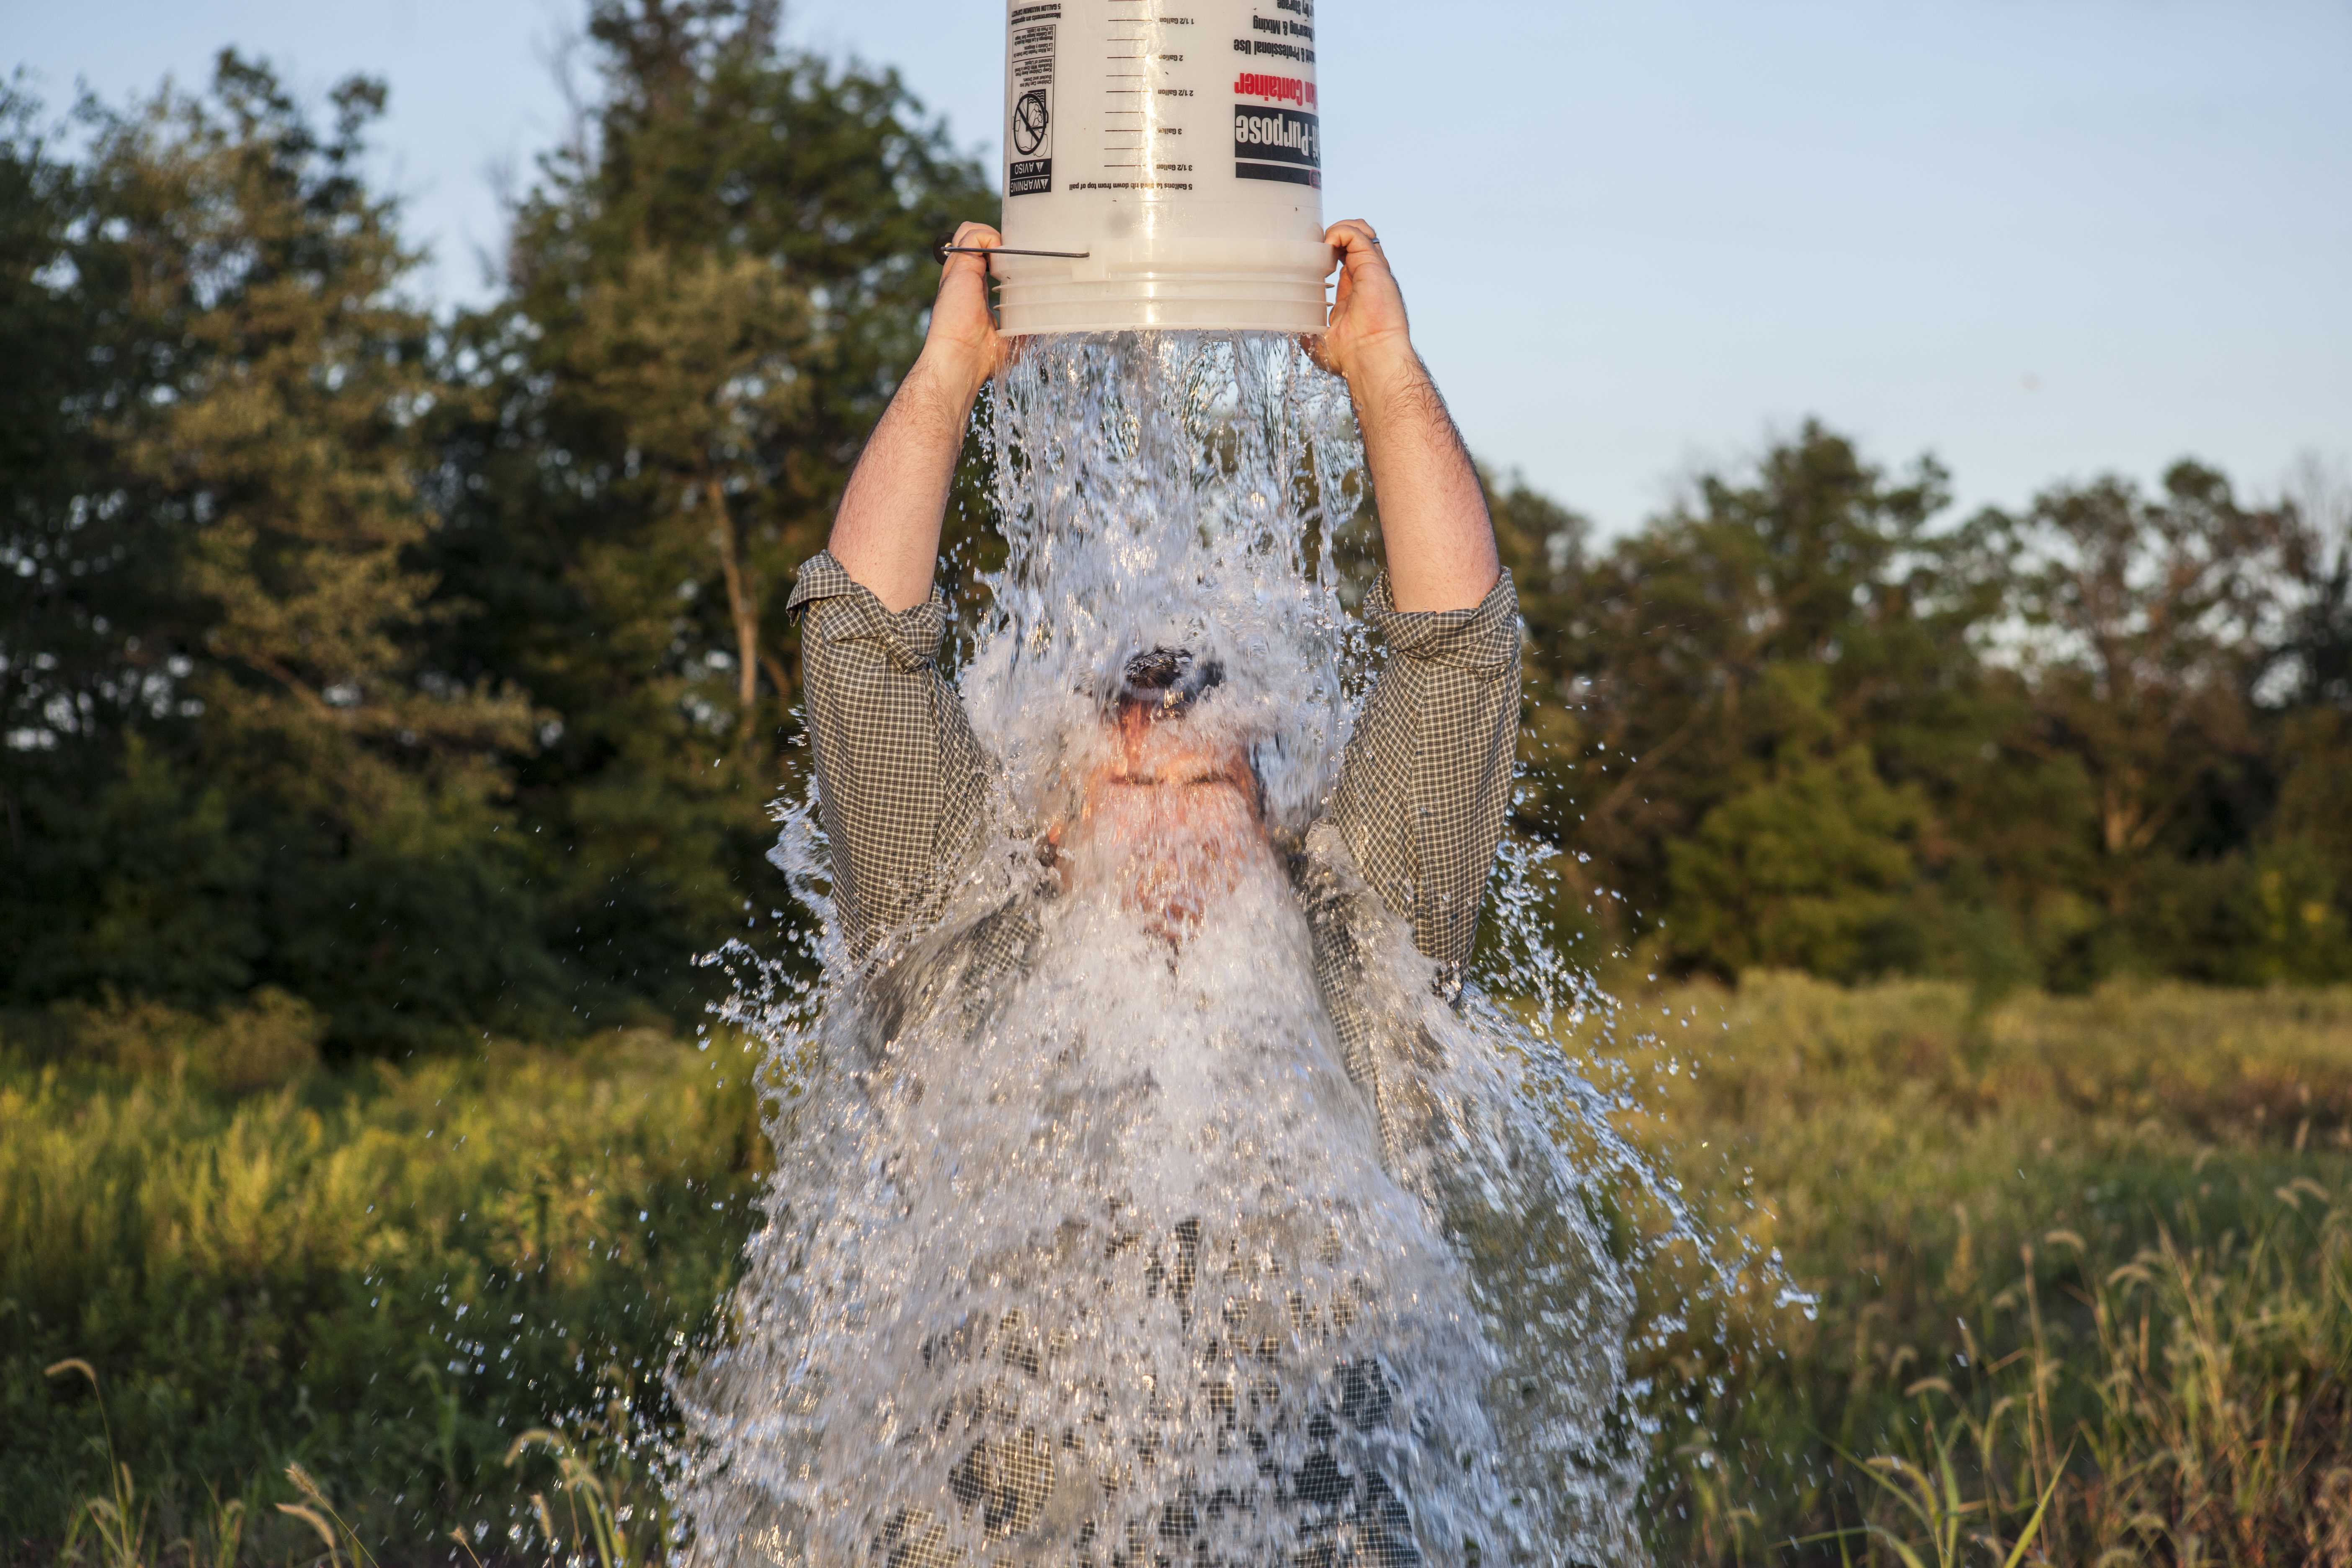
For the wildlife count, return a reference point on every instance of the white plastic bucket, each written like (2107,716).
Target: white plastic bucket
(1176,145)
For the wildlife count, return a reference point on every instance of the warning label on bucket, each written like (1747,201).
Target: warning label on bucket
(1029,134)
(1278,144)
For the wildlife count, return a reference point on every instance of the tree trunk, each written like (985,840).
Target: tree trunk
(743,606)
(779,676)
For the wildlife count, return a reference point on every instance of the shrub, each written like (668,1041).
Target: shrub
(271,1040)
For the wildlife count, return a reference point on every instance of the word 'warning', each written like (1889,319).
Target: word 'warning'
(1029,138)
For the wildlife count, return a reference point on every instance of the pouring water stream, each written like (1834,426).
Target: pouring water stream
(1118,1266)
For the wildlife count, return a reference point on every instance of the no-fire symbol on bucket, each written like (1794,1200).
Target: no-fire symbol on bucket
(1030,121)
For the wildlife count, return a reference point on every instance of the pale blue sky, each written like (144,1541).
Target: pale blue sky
(2041,238)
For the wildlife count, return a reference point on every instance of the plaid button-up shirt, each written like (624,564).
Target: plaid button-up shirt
(1410,835)
(902,782)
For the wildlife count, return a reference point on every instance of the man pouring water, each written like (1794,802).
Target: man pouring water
(1134,1214)
(1419,806)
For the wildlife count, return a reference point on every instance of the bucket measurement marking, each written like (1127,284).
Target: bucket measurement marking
(1125,134)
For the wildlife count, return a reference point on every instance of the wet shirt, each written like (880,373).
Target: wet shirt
(1406,843)
(903,783)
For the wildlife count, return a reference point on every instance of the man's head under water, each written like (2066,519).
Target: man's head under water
(1171,813)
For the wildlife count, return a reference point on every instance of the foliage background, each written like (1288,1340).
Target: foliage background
(430,667)
(380,684)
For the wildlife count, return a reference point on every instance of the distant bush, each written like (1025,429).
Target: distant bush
(271,1040)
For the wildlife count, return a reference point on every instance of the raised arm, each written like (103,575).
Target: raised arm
(900,780)
(1439,541)
(1426,783)
(887,534)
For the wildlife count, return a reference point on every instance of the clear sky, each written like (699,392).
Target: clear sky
(2042,238)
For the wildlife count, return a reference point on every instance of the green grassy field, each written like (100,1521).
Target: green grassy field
(2091,1248)
(382,1275)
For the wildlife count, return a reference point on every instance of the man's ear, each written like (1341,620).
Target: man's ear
(1257,781)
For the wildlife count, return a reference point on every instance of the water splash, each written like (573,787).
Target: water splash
(1099,1256)
(1176,490)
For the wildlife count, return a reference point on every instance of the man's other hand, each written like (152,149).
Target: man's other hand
(1369,331)
(963,341)
(887,534)
(1433,524)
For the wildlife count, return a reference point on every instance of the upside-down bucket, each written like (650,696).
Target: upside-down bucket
(1171,153)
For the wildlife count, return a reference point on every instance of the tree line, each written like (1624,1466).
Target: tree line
(1808,720)
(430,665)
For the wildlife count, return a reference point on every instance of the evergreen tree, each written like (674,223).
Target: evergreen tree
(711,294)
(71,563)
(263,779)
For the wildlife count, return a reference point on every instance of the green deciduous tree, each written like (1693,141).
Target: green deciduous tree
(1814,864)
(2146,621)
(1801,719)
(1662,666)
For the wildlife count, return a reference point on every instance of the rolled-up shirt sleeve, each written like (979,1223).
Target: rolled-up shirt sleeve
(1426,782)
(900,780)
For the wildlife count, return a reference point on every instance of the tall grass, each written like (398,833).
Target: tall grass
(384,1275)
(2091,1258)
(2096,1247)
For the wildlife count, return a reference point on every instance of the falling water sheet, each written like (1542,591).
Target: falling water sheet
(1106,1253)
